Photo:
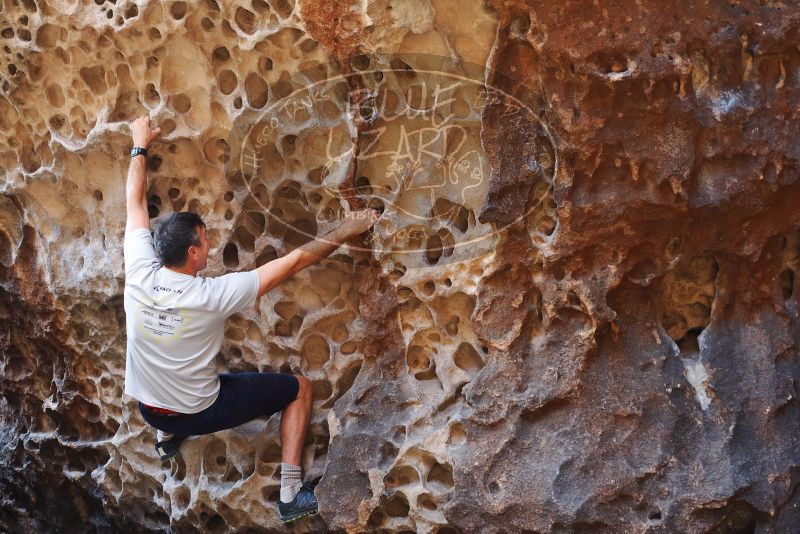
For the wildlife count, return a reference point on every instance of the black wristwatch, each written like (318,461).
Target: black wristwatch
(135,151)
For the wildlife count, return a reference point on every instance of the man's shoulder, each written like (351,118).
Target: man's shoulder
(142,276)
(218,279)
(138,235)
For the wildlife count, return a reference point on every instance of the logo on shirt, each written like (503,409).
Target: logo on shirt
(161,322)
(166,289)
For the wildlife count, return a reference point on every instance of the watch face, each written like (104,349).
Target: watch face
(133,152)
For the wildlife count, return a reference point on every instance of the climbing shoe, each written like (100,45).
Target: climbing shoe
(167,449)
(303,504)
(312,483)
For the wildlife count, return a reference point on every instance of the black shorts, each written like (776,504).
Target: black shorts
(242,397)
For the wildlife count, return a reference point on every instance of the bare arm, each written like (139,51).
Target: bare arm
(136,186)
(276,271)
(134,193)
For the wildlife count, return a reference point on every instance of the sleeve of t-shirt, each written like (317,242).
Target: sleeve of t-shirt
(234,292)
(138,250)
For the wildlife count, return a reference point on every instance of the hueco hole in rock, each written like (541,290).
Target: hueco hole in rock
(436,266)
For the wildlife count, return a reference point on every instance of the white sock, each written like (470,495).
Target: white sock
(291,481)
(163,436)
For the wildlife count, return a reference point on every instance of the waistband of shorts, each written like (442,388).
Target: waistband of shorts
(155,410)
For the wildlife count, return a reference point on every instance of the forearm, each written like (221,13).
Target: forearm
(319,248)
(136,188)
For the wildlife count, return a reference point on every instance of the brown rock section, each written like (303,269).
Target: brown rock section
(670,325)
(619,356)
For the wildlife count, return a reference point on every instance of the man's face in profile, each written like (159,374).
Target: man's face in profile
(202,250)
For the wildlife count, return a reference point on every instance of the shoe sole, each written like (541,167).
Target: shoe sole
(167,457)
(310,512)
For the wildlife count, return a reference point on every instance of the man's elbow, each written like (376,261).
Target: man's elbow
(134,203)
(266,283)
(276,271)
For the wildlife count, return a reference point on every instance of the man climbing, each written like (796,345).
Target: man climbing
(175,327)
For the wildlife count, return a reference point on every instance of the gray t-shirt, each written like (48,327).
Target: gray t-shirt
(175,327)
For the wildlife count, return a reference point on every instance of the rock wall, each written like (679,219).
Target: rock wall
(579,312)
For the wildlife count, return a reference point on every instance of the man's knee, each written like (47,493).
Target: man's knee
(304,390)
